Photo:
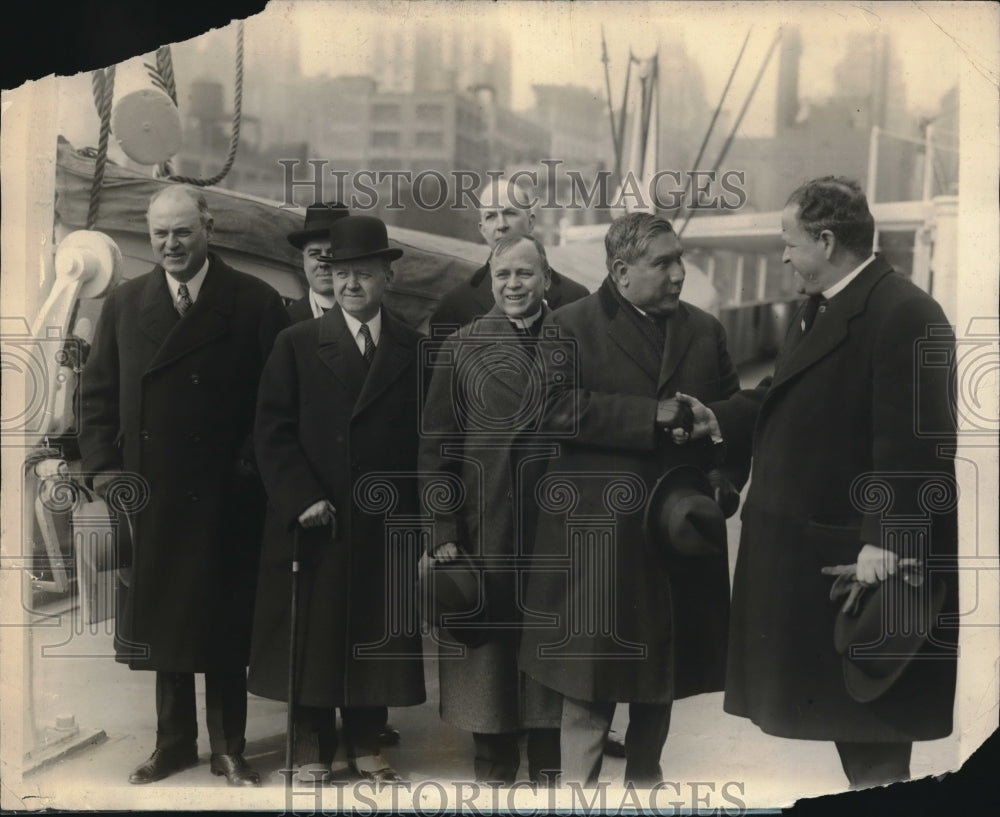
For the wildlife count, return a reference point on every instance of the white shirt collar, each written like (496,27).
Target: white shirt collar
(320,303)
(830,291)
(194,285)
(525,323)
(374,326)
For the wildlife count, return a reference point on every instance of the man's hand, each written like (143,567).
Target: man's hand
(319,514)
(875,564)
(674,416)
(103,481)
(705,424)
(725,493)
(447,552)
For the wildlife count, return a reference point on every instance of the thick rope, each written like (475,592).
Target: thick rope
(165,67)
(103,86)
(234,139)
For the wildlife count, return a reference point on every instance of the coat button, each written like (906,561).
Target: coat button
(194,380)
(144,434)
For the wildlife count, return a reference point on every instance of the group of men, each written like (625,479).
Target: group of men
(575,454)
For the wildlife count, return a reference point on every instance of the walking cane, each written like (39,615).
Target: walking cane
(290,720)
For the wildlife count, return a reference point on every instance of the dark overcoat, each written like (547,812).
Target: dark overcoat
(627,624)
(472,298)
(300,310)
(327,428)
(847,401)
(172,400)
(482,424)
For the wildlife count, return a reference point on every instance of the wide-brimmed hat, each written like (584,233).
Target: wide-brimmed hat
(319,218)
(455,599)
(682,518)
(356,237)
(891,625)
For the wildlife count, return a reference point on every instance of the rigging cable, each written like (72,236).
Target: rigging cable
(739,121)
(711,125)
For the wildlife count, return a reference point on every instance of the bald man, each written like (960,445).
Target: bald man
(504,211)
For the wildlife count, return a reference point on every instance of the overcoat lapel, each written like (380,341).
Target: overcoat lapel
(339,353)
(830,329)
(392,356)
(679,336)
(624,332)
(206,321)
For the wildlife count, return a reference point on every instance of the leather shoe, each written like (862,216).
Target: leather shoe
(164,762)
(613,747)
(388,736)
(236,770)
(376,769)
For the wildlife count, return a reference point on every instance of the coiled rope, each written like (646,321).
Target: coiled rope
(102,83)
(234,139)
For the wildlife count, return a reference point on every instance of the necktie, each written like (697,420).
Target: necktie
(813,306)
(184,301)
(369,352)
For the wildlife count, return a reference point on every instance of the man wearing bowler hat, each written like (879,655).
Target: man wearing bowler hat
(848,545)
(630,624)
(337,411)
(314,242)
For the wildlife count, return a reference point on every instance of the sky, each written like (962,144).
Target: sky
(560,42)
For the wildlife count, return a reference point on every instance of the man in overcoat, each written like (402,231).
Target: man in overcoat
(623,629)
(481,423)
(336,436)
(317,264)
(852,465)
(504,210)
(168,396)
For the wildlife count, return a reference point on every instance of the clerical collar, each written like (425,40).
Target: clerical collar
(841,285)
(193,286)
(320,303)
(526,323)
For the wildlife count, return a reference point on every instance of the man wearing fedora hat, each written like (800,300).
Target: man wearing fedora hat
(314,242)
(630,623)
(853,477)
(338,405)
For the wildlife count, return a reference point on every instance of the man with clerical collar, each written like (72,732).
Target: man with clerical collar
(338,405)
(504,211)
(168,395)
(480,422)
(629,622)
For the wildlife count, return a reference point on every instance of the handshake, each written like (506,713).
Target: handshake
(685,418)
